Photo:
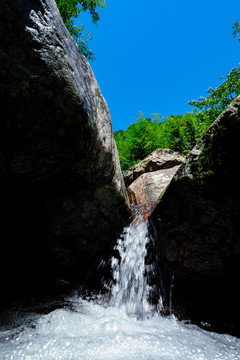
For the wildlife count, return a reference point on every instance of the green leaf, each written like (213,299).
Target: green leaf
(70,9)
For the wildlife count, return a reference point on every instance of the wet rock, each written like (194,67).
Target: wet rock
(63,199)
(196,224)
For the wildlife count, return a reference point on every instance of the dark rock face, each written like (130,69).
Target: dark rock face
(197,229)
(62,194)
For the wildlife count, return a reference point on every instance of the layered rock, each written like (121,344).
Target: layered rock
(160,166)
(196,224)
(63,199)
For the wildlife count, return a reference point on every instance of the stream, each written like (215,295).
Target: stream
(122,326)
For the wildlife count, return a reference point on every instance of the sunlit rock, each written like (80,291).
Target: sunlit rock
(153,174)
(149,186)
(157,160)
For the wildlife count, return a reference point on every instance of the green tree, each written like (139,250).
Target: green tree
(177,132)
(180,132)
(236,30)
(146,134)
(143,136)
(219,98)
(139,140)
(70,10)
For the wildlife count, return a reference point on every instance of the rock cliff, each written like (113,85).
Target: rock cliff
(196,224)
(63,199)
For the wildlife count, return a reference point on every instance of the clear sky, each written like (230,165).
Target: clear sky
(155,56)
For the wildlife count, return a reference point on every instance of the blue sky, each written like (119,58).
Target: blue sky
(155,56)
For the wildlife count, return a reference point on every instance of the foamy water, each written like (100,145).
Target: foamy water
(94,332)
(125,328)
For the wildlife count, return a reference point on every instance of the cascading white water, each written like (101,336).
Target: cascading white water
(90,331)
(130,289)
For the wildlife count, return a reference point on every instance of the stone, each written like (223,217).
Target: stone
(197,232)
(63,198)
(148,187)
(157,160)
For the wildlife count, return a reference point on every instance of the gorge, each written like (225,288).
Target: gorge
(64,206)
(126,326)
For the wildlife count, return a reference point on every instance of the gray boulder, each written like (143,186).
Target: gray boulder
(157,160)
(149,186)
(63,199)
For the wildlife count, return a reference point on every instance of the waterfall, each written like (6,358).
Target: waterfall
(130,289)
(85,330)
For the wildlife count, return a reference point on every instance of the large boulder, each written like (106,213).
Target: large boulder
(196,225)
(157,160)
(153,174)
(62,196)
(148,187)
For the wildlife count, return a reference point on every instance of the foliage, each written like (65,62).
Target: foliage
(236,29)
(219,98)
(140,139)
(176,132)
(70,10)
(146,134)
